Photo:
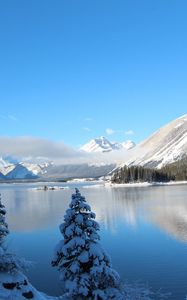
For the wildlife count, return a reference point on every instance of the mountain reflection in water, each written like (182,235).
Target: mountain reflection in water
(166,207)
(144,229)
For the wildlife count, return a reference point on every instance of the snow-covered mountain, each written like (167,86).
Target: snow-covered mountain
(37,169)
(3,163)
(13,169)
(104,145)
(6,166)
(20,172)
(128,145)
(49,171)
(99,145)
(165,146)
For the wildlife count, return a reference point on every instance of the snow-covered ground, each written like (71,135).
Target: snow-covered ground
(144,184)
(109,184)
(17,287)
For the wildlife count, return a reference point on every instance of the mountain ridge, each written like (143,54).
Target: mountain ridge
(102,144)
(165,146)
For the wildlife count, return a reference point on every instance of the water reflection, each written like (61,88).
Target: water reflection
(32,210)
(171,218)
(166,207)
(135,225)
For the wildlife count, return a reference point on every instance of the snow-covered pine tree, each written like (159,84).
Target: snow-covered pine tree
(14,285)
(84,266)
(8,262)
(3,225)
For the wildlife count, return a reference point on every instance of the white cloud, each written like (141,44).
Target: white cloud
(86,129)
(34,149)
(110,131)
(129,132)
(27,146)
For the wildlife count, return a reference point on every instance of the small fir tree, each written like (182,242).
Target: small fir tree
(14,285)
(3,225)
(84,266)
(8,262)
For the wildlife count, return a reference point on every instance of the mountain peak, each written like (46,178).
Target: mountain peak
(128,144)
(102,144)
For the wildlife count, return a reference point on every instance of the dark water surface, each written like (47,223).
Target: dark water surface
(144,229)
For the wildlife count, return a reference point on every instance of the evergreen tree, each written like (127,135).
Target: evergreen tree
(3,225)
(8,262)
(14,285)
(84,266)
(140,174)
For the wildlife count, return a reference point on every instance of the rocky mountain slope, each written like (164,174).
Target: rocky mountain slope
(165,146)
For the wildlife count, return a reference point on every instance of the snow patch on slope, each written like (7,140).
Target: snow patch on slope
(165,146)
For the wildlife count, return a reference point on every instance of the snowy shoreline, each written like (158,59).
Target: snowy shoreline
(103,184)
(144,184)
(94,184)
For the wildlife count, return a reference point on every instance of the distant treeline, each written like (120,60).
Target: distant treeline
(175,171)
(139,174)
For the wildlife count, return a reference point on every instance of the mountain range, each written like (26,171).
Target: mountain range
(13,169)
(165,146)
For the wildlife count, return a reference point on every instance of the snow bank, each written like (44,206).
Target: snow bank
(134,184)
(16,286)
(143,184)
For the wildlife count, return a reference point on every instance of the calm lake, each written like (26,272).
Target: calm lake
(144,229)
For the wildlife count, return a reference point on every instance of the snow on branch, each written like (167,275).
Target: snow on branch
(85,268)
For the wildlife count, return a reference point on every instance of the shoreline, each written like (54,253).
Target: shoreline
(96,183)
(145,184)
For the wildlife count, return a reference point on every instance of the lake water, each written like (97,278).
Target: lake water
(144,229)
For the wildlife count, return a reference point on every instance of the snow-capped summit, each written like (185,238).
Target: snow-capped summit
(6,161)
(104,145)
(3,163)
(165,146)
(5,166)
(128,144)
(98,145)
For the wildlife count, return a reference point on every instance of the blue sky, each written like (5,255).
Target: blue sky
(71,69)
